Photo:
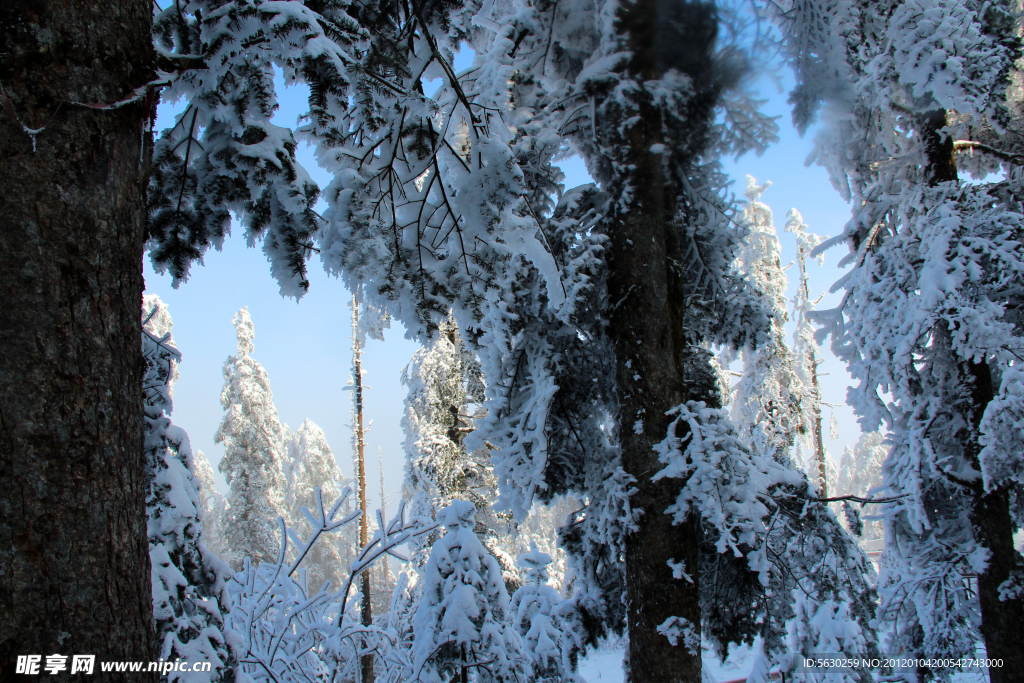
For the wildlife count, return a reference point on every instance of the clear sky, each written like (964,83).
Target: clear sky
(306,349)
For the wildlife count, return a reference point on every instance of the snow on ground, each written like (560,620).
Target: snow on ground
(604,665)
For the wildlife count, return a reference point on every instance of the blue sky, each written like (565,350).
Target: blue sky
(305,346)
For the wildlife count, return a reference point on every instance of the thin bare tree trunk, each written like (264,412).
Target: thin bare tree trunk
(74,556)
(819,443)
(357,379)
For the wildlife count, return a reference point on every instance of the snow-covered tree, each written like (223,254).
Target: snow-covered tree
(445,392)
(463,629)
(860,470)
(254,449)
(291,634)
(805,566)
(310,465)
(930,312)
(540,530)
(810,443)
(189,582)
(590,310)
(213,503)
(534,612)
(767,404)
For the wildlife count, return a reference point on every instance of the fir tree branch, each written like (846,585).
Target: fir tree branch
(856,499)
(1009,157)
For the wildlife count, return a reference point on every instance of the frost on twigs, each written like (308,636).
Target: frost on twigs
(291,634)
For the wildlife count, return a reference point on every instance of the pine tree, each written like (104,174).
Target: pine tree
(929,311)
(767,401)
(310,465)
(447,203)
(213,503)
(189,581)
(817,582)
(445,393)
(462,626)
(860,471)
(810,440)
(253,439)
(534,613)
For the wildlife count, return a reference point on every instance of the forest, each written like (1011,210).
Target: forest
(613,427)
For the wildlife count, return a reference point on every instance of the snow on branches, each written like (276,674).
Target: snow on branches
(928,324)
(253,462)
(769,544)
(290,634)
(462,625)
(190,595)
(767,403)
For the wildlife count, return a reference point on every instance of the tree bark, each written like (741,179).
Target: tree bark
(366,606)
(649,374)
(993,529)
(658,363)
(74,556)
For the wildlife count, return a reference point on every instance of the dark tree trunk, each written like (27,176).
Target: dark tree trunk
(650,379)
(993,526)
(1001,620)
(938,148)
(74,560)
(658,363)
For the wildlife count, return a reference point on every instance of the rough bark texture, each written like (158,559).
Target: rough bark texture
(74,560)
(650,381)
(657,364)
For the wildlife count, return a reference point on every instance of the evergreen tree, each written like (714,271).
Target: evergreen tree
(253,439)
(929,315)
(810,452)
(534,613)
(818,583)
(767,402)
(445,393)
(591,311)
(311,465)
(189,581)
(860,471)
(540,530)
(463,630)
(213,503)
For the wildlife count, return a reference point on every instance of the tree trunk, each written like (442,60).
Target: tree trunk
(650,381)
(658,367)
(74,556)
(991,520)
(366,606)
(1000,619)
(993,529)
